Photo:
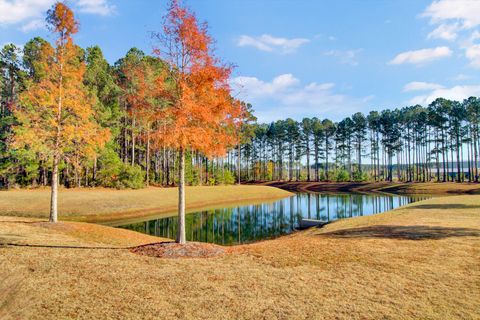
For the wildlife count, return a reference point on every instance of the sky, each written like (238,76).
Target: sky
(300,58)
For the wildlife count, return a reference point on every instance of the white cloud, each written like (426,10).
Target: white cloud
(284,96)
(254,87)
(346,57)
(454,17)
(472,53)
(16,11)
(421,86)
(445,32)
(100,7)
(422,56)
(474,36)
(267,42)
(467,12)
(460,77)
(472,49)
(454,93)
(33,25)
(30,13)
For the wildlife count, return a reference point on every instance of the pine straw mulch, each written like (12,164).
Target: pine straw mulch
(175,250)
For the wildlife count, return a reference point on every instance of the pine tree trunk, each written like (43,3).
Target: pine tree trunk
(181,198)
(326,158)
(44,175)
(206,170)
(125,135)
(475,150)
(147,160)
(359,151)
(437,152)
(94,173)
(308,163)
(133,142)
(239,169)
(458,158)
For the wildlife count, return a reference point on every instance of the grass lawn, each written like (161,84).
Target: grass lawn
(109,205)
(417,262)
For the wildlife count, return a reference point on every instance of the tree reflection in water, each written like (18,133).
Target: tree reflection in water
(250,223)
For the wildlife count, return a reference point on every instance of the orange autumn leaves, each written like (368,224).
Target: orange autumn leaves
(200,114)
(181,99)
(55,114)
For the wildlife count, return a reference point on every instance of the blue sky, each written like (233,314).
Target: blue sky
(300,58)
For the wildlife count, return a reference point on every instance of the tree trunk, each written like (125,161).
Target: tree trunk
(475,150)
(444,177)
(458,158)
(94,174)
(125,135)
(147,160)
(326,158)
(56,155)
(133,141)
(239,169)
(316,162)
(206,171)
(54,193)
(308,161)
(359,155)
(181,198)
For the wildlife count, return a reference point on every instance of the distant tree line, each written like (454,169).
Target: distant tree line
(439,142)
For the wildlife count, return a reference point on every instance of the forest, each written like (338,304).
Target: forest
(152,187)
(438,142)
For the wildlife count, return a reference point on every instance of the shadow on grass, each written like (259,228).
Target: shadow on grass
(21,221)
(447,206)
(10,244)
(404,232)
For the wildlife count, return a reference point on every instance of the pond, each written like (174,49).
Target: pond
(255,222)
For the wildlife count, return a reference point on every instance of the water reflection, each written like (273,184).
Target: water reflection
(249,223)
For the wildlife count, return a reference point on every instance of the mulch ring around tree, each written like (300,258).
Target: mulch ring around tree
(175,250)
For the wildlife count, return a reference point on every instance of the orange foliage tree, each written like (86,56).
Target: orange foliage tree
(55,113)
(201,114)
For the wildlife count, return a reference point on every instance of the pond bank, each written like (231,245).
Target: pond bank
(432,188)
(100,205)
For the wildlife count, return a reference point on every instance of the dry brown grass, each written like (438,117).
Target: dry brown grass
(109,205)
(417,262)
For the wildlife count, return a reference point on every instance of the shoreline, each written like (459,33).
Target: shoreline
(433,188)
(111,207)
(116,207)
